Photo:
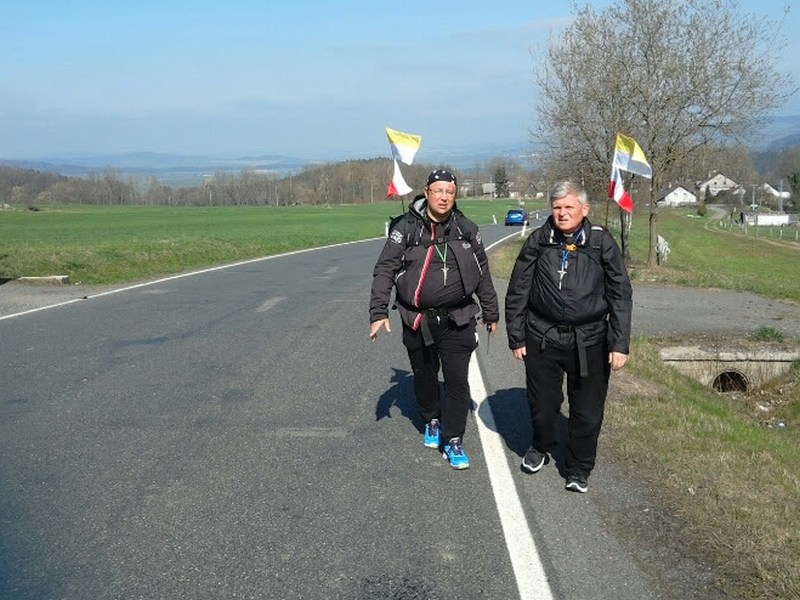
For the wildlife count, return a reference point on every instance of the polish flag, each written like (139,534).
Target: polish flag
(617,191)
(397,186)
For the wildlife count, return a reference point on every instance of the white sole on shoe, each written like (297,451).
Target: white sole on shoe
(574,486)
(460,467)
(533,468)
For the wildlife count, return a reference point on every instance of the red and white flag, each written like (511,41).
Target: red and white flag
(617,191)
(397,186)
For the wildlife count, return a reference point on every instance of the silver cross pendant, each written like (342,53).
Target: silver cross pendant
(561,274)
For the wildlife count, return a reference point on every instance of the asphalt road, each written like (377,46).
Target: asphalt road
(234,434)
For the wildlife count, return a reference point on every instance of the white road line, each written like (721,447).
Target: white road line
(33,310)
(271,303)
(528,570)
(198,272)
(181,276)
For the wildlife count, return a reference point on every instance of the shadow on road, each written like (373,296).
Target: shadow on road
(401,395)
(511,418)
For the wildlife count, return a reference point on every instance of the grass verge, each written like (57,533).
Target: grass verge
(705,254)
(733,482)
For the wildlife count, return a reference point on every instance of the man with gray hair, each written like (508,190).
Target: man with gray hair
(568,312)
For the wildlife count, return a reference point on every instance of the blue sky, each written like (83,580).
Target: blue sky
(311,79)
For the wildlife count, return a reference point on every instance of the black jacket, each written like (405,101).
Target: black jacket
(402,259)
(594,299)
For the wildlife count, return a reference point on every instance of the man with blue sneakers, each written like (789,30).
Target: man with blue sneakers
(435,260)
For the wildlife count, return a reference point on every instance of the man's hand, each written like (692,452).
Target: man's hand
(617,360)
(376,326)
(520,353)
(491,328)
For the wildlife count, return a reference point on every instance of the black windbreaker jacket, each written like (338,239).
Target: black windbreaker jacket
(402,259)
(594,298)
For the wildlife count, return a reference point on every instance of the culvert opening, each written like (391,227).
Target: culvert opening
(730,381)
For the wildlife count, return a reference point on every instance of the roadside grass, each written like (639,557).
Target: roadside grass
(727,465)
(733,483)
(705,255)
(94,244)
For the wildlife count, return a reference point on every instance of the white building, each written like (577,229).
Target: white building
(718,183)
(772,219)
(676,195)
(775,193)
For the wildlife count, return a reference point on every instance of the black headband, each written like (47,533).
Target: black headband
(441,175)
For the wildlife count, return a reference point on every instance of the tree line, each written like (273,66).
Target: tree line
(346,182)
(365,181)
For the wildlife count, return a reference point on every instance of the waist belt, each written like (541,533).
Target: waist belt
(431,313)
(580,344)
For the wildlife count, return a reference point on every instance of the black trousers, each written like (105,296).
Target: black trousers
(544,374)
(450,352)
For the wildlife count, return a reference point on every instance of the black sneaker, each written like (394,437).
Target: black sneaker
(577,483)
(533,460)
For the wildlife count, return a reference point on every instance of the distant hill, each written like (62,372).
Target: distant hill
(786,142)
(171,169)
(778,134)
(189,170)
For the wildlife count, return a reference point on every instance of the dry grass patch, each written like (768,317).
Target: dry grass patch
(733,482)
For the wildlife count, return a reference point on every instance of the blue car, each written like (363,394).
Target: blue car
(516,216)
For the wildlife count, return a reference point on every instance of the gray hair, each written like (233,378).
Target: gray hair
(565,188)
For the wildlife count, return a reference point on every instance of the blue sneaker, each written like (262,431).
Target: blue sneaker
(433,434)
(454,453)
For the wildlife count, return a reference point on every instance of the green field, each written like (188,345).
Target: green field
(707,253)
(101,244)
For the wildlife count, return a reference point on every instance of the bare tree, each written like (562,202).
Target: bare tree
(677,75)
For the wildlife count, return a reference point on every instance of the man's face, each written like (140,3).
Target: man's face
(441,196)
(568,213)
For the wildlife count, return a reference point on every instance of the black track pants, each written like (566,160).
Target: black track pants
(544,375)
(451,350)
